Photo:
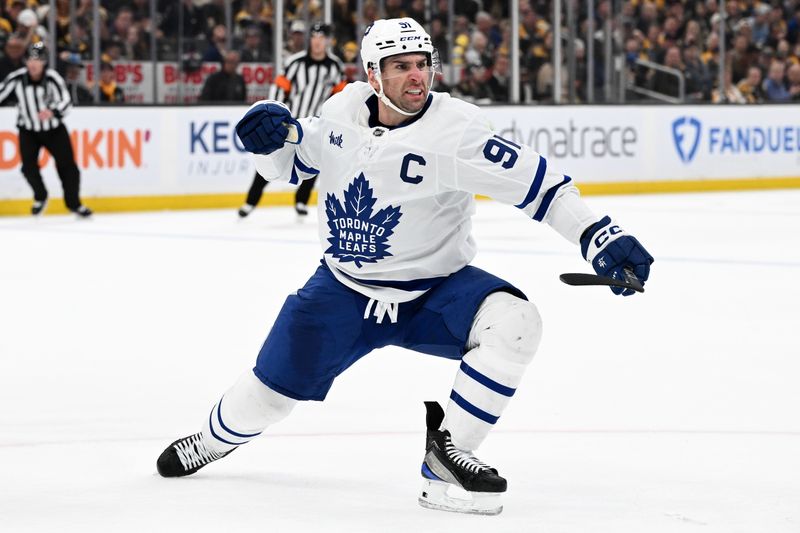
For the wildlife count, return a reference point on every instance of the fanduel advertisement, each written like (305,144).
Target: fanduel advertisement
(747,135)
(729,142)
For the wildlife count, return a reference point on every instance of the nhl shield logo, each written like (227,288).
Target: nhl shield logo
(686,136)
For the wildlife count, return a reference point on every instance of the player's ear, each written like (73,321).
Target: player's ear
(373,81)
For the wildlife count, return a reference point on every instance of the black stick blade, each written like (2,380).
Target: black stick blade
(581,279)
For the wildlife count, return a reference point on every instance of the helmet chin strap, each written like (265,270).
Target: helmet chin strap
(385,99)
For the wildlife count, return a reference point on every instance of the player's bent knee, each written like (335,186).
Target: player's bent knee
(511,324)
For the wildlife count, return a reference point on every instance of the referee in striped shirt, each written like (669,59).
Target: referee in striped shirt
(309,78)
(42,101)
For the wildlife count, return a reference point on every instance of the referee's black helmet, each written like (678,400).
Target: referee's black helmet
(321,27)
(37,51)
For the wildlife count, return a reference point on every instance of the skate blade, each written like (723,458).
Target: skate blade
(442,496)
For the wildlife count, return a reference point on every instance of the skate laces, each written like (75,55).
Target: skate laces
(464,459)
(381,310)
(193,452)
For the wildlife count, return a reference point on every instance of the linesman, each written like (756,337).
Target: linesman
(310,77)
(42,101)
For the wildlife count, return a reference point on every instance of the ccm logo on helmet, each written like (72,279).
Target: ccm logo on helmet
(411,38)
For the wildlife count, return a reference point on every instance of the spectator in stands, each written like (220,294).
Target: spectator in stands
(141,11)
(484,23)
(85,9)
(651,44)
(12,55)
(254,13)
(693,35)
(344,14)
(637,74)
(698,79)
(439,38)
(134,46)
(740,57)
(112,52)
(760,24)
(711,55)
(750,87)
(473,88)
(648,16)
(793,26)
(12,11)
(732,94)
(213,13)
(370,13)
(62,19)
(123,21)
(498,83)
(774,86)
(667,83)
(670,33)
(297,38)
(72,74)
(217,45)
(226,85)
(393,9)
(29,29)
(110,92)
(478,52)
(783,52)
(416,10)
(254,49)
(193,23)
(793,78)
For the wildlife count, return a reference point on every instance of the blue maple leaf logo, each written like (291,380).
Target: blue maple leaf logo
(356,234)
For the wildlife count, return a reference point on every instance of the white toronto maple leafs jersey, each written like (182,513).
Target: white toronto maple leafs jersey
(395,204)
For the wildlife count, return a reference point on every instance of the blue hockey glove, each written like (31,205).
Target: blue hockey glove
(610,250)
(264,128)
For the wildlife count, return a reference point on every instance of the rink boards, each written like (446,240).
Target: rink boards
(145,158)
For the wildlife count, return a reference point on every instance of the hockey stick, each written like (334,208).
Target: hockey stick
(580,279)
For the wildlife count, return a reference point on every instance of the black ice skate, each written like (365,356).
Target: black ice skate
(186,456)
(38,208)
(456,480)
(83,212)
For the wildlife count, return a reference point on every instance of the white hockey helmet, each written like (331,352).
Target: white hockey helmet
(389,37)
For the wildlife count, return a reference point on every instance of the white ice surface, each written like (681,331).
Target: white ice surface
(676,410)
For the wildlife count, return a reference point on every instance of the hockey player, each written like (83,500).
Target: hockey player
(394,157)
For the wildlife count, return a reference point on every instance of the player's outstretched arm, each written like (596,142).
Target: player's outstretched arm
(267,126)
(610,250)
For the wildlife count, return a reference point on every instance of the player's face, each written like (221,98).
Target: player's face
(406,80)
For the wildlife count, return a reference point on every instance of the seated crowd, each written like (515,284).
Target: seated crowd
(762,60)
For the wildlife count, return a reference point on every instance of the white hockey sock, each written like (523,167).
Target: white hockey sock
(504,337)
(243,412)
